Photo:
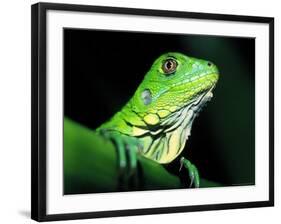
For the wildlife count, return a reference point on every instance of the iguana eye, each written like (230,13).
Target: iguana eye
(169,66)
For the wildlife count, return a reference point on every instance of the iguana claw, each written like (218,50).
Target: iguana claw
(192,172)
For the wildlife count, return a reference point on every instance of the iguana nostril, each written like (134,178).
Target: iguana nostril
(209,64)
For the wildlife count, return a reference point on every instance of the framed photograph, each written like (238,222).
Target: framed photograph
(138,111)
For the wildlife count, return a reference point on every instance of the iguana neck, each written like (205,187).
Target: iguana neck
(162,140)
(126,121)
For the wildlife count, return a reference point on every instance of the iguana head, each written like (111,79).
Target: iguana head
(174,81)
(167,101)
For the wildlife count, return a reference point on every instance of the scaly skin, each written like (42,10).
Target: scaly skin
(157,120)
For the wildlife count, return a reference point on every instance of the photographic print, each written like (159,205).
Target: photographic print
(178,109)
(141,111)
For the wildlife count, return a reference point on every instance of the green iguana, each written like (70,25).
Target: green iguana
(157,120)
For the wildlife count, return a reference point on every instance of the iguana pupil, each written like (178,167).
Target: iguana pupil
(169,66)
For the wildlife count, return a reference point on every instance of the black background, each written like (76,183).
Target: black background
(102,69)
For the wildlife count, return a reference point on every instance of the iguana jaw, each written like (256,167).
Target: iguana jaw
(187,114)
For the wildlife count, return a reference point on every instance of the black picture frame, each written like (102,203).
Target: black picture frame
(38,90)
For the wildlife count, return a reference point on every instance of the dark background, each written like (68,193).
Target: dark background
(102,69)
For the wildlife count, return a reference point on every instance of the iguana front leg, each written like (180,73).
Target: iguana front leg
(127,148)
(192,172)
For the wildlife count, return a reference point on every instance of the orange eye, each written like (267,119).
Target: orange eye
(169,66)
